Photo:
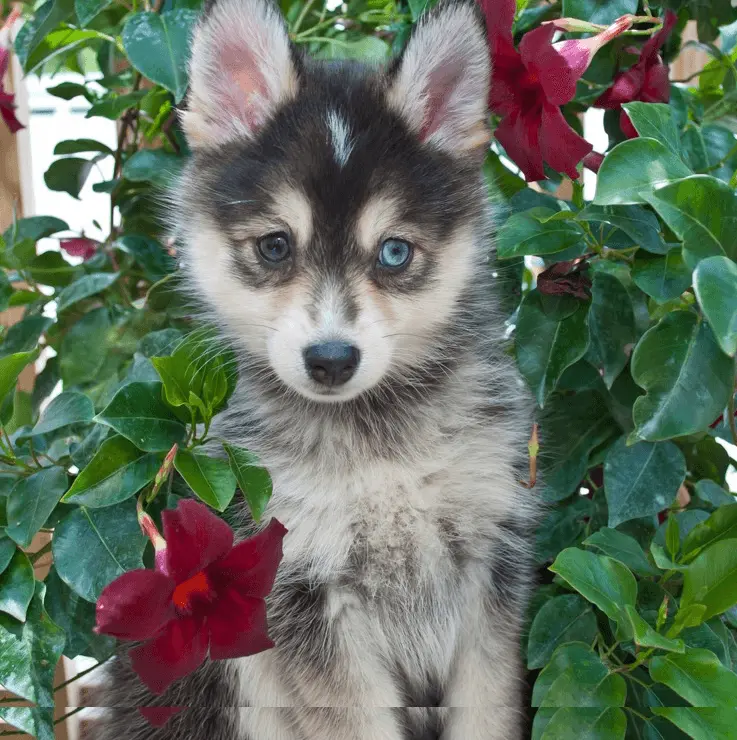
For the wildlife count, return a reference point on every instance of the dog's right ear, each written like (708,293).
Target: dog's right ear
(240,71)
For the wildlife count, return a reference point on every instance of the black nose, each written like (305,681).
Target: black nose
(331,363)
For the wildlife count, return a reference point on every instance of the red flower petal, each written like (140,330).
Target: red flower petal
(79,247)
(656,85)
(499,18)
(562,148)
(7,111)
(136,605)
(548,67)
(626,125)
(238,628)
(626,87)
(519,135)
(195,537)
(657,40)
(159,716)
(177,651)
(250,567)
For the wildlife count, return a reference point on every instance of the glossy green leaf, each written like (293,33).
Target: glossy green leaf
(702,211)
(160,343)
(622,547)
(583,723)
(50,268)
(599,579)
(38,722)
(563,619)
(535,232)
(577,677)
(45,19)
(708,490)
(92,547)
(721,525)
(157,263)
(663,277)
(81,146)
(7,550)
(67,408)
(88,9)
(153,165)
(210,478)
(29,653)
(138,413)
(11,367)
(715,283)
(697,676)
(641,480)
(703,723)
(633,169)
(711,579)
(691,615)
(686,376)
(598,11)
(113,106)
(31,502)
(561,528)
(16,587)
(253,480)
(550,336)
(117,472)
(85,287)
(68,175)
(655,121)
(158,46)
(612,332)
(645,636)
(24,336)
(33,229)
(85,347)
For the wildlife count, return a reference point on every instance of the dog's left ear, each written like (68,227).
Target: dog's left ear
(441,83)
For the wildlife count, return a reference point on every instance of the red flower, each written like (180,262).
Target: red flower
(529,84)
(7,100)
(80,246)
(646,80)
(159,716)
(204,595)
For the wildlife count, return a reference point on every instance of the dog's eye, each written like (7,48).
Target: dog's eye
(275,247)
(394,254)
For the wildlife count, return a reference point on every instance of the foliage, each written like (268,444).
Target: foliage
(625,327)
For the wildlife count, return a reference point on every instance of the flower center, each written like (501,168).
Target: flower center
(195,589)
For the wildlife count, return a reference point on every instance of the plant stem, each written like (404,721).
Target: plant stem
(302,16)
(80,674)
(68,715)
(34,556)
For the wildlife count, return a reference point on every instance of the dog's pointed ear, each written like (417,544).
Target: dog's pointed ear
(441,83)
(241,69)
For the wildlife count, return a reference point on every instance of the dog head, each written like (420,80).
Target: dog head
(334,213)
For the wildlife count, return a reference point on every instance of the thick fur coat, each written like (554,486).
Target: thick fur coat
(398,607)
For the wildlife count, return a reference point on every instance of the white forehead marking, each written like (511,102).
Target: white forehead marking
(340,135)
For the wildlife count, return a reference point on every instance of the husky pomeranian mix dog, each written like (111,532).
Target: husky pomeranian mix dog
(337,230)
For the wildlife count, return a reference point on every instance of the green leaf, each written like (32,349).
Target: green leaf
(24,336)
(563,619)
(561,528)
(416,7)
(67,408)
(535,232)
(702,211)
(612,332)
(34,721)
(599,579)
(68,175)
(138,413)
(210,478)
(645,636)
(7,550)
(697,676)
(576,676)
(117,472)
(711,579)
(703,724)
(89,9)
(253,480)
(598,11)
(152,256)
(672,536)
(160,343)
(158,46)
(50,268)
(721,525)
(11,367)
(16,588)
(622,547)
(84,348)
(708,490)
(715,283)
(686,376)
(641,480)
(153,165)
(81,146)
(85,287)
(45,19)
(29,653)
(113,106)
(31,502)
(76,617)
(582,723)
(686,618)
(69,91)
(633,169)
(550,336)
(92,547)
(33,228)
(662,277)
(655,121)
(367,49)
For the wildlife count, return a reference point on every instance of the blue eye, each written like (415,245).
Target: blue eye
(395,254)
(275,247)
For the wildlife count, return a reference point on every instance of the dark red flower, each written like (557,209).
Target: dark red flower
(529,85)
(204,595)
(566,278)
(7,100)
(159,716)
(79,246)
(646,80)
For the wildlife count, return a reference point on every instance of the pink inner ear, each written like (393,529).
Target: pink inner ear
(244,92)
(441,83)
